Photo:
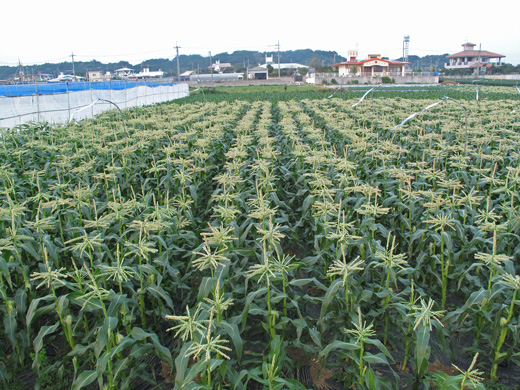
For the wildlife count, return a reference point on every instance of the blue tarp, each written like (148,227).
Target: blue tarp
(53,88)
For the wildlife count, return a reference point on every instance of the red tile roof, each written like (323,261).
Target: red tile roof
(370,59)
(475,53)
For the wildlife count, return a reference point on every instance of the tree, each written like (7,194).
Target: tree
(302,71)
(317,64)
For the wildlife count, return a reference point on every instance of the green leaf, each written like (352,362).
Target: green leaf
(315,336)
(141,350)
(3,374)
(330,295)
(33,312)
(44,331)
(4,271)
(10,326)
(194,370)
(206,287)
(163,352)
(250,297)
(381,347)
(79,349)
(158,292)
(234,334)
(371,380)
(120,366)
(38,344)
(84,379)
(102,336)
(337,344)
(422,350)
(115,304)
(377,358)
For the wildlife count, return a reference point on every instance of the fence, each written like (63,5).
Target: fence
(62,102)
(377,74)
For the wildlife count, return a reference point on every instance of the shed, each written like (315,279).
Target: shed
(257,73)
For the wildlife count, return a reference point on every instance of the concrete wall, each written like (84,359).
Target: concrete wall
(243,83)
(490,77)
(417,79)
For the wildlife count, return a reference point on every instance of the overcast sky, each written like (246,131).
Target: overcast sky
(36,32)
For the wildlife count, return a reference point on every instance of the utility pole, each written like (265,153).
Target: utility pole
(73,71)
(211,67)
(278,45)
(278,48)
(479,59)
(178,68)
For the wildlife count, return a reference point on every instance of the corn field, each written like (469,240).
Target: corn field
(304,242)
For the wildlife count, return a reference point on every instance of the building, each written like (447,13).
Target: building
(185,76)
(124,73)
(291,66)
(146,74)
(97,75)
(220,67)
(65,78)
(469,58)
(257,73)
(373,66)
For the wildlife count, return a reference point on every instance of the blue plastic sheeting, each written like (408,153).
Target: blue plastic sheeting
(54,88)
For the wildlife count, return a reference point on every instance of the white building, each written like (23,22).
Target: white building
(283,66)
(147,74)
(219,67)
(97,75)
(124,73)
(469,58)
(373,66)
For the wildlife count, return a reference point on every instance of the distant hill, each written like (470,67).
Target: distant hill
(425,63)
(238,59)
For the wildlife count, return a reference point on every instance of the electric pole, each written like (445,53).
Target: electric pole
(178,68)
(211,66)
(73,71)
(479,59)
(278,45)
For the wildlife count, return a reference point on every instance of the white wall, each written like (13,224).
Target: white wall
(63,107)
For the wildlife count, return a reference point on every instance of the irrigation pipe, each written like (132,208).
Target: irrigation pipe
(337,90)
(363,97)
(81,109)
(518,89)
(445,98)
(121,112)
(97,101)
(466,119)
(415,114)
(202,93)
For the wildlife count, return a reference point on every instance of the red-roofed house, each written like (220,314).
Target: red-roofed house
(374,65)
(469,58)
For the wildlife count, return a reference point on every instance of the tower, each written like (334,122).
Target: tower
(406,47)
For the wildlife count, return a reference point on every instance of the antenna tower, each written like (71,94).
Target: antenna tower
(406,47)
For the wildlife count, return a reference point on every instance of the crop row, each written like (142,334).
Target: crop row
(286,244)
